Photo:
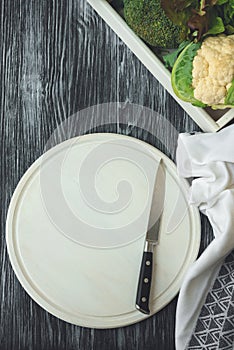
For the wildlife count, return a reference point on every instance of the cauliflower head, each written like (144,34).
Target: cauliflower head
(213,69)
(203,73)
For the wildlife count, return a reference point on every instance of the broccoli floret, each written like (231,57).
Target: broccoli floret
(149,21)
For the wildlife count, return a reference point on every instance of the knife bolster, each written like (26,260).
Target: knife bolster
(148,246)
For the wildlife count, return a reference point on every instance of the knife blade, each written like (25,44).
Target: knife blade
(152,237)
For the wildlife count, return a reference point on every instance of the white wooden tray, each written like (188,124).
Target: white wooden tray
(208,121)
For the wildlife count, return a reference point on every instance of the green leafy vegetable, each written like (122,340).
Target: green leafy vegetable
(228,14)
(216,26)
(199,24)
(170,58)
(205,17)
(221,2)
(178,11)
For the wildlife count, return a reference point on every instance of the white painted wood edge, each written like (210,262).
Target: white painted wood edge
(155,66)
(226,118)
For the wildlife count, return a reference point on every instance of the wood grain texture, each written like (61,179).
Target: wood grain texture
(58,57)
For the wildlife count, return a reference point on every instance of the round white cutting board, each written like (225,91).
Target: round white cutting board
(76,228)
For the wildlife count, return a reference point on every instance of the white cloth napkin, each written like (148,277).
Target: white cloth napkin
(209,158)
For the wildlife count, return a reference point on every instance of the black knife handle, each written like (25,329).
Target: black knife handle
(144,283)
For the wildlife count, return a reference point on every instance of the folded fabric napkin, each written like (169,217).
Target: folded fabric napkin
(205,309)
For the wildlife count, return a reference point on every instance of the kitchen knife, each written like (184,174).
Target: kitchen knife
(152,235)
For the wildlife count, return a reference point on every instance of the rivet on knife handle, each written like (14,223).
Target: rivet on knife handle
(144,283)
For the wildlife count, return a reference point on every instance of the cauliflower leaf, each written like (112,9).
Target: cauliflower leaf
(181,77)
(229,100)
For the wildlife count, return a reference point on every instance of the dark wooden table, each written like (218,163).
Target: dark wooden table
(59,57)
